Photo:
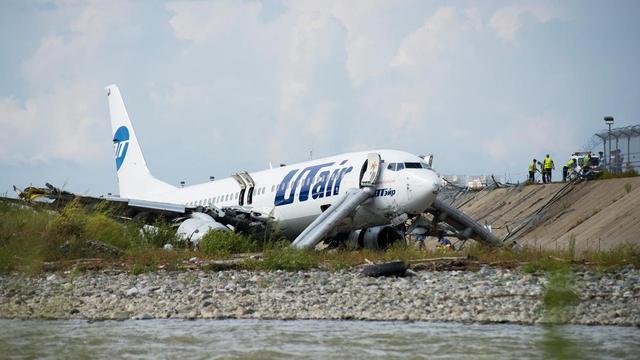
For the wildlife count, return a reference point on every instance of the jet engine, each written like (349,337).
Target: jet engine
(195,227)
(375,238)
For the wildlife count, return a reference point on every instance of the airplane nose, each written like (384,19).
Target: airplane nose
(422,189)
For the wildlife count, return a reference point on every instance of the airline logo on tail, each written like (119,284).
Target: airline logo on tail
(121,144)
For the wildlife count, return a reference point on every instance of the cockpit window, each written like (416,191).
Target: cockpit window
(413,165)
(407,165)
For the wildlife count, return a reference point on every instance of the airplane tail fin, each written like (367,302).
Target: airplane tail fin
(134,179)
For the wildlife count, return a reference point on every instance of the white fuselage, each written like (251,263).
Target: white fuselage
(295,195)
(292,195)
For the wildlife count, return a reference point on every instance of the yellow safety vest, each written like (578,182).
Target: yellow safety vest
(548,163)
(585,161)
(569,163)
(532,167)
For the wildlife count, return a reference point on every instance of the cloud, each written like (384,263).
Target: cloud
(62,117)
(369,43)
(529,136)
(313,41)
(180,95)
(496,149)
(439,32)
(320,120)
(77,45)
(508,20)
(202,20)
(58,125)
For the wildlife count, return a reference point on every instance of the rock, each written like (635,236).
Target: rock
(120,315)
(490,295)
(132,291)
(143,316)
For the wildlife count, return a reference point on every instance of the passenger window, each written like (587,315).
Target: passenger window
(273,187)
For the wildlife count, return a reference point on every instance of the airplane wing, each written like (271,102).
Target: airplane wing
(241,218)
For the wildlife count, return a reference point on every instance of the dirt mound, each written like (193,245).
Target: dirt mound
(596,214)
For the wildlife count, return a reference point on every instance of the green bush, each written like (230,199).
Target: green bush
(224,243)
(22,230)
(68,224)
(159,234)
(103,228)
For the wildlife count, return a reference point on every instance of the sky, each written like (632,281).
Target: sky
(216,87)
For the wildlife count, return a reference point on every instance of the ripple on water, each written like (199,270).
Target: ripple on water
(204,339)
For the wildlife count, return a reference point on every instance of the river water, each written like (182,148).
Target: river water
(205,339)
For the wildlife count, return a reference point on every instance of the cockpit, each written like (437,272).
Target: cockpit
(397,166)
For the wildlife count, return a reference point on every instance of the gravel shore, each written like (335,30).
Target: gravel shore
(488,295)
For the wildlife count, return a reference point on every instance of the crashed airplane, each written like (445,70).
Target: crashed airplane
(361,198)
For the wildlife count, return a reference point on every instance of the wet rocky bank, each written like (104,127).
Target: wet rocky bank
(488,295)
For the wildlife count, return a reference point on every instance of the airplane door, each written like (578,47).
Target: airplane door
(243,187)
(372,171)
(250,186)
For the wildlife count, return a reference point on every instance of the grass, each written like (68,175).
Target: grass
(283,257)
(31,238)
(627,187)
(613,175)
(225,243)
(141,260)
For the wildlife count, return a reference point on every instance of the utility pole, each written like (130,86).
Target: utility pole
(609,121)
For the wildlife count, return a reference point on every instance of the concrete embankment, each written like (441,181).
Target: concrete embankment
(597,215)
(488,295)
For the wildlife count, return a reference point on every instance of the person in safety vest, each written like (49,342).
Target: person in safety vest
(532,171)
(586,162)
(565,169)
(548,166)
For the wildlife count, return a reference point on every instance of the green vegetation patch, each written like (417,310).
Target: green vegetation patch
(281,256)
(617,175)
(225,243)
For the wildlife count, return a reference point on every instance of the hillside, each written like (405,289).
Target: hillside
(597,214)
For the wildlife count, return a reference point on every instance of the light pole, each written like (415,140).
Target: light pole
(609,121)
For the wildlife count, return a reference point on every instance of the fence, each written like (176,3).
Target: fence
(620,148)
